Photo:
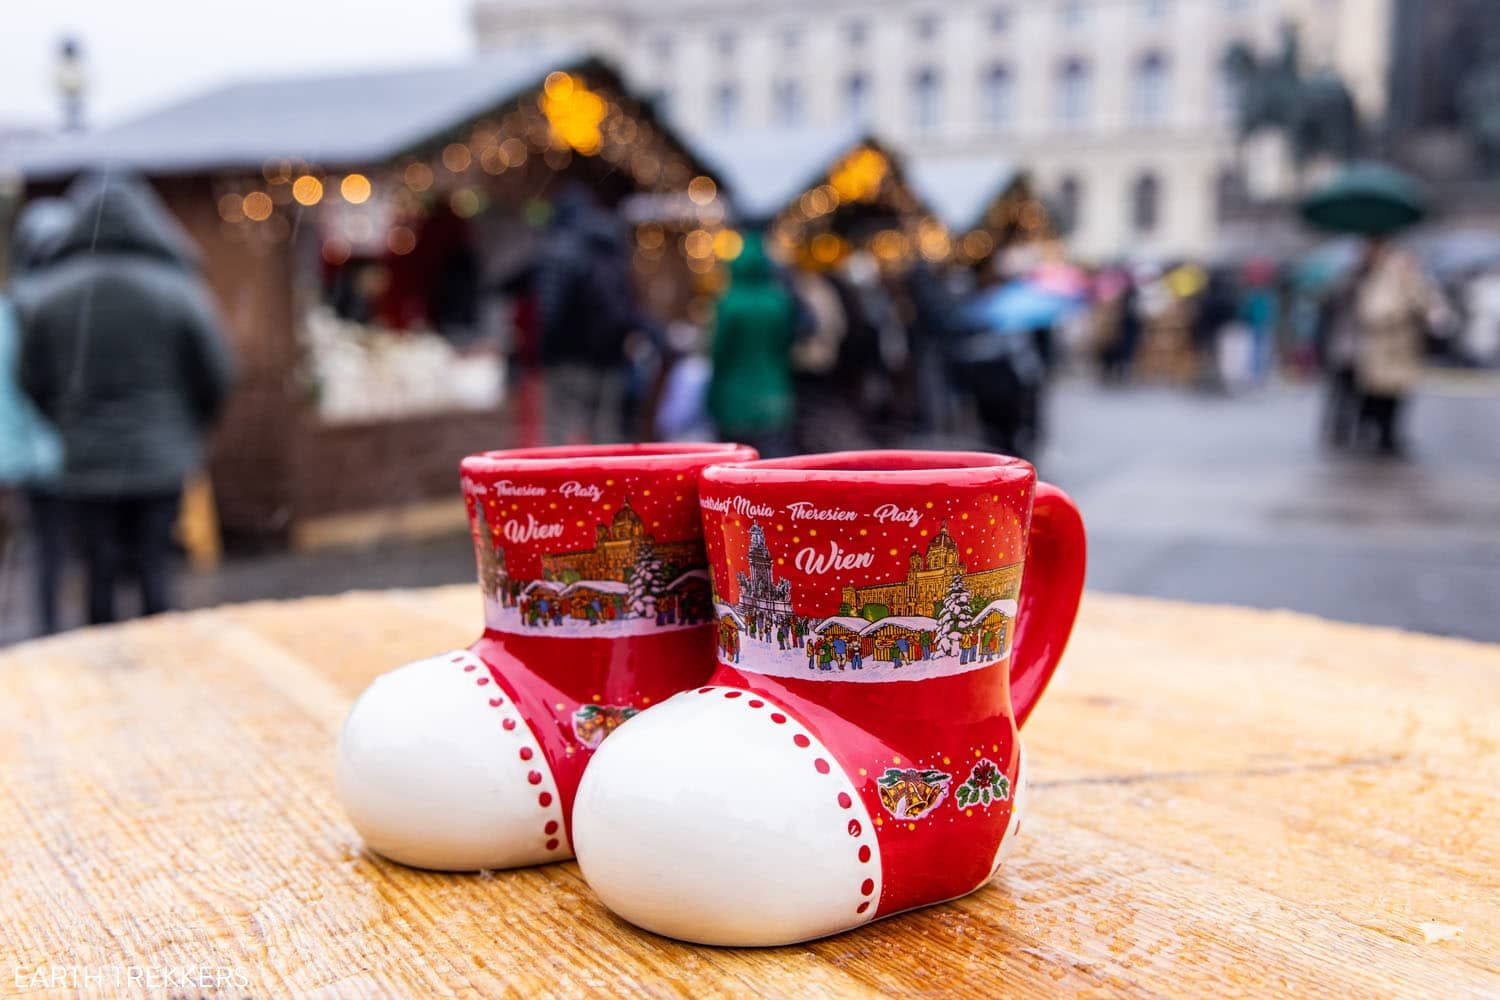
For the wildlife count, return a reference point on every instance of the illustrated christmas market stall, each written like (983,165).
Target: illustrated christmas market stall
(359,230)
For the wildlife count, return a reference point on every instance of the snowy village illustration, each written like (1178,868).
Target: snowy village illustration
(939,620)
(627,583)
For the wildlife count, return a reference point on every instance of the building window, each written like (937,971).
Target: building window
(857,104)
(1230,194)
(727,42)
(1071,13)
(727,106)
(1069,204)
(999,20)
(857,33)
(786,101)
(1073,92)
(926,27)
(791,39)
(999,94)
(1145,203)
(1227,94)
(927,100)
(1149,89)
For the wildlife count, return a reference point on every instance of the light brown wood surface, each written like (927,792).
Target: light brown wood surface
(1227,802)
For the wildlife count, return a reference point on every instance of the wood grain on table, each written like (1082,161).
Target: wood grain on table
(1225,802)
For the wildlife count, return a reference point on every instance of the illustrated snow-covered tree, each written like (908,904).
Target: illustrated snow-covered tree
(951,613)
(644,582)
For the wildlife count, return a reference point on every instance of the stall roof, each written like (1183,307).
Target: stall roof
(334,121)
(961,188)
(766,168)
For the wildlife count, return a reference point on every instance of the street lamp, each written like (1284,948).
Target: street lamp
(71,83)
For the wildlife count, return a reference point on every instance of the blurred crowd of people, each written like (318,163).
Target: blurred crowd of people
(864,352)
(113,367)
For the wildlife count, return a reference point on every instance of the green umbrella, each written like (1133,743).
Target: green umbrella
(1366,199)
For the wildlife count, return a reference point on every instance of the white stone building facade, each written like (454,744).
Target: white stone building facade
(1117,108)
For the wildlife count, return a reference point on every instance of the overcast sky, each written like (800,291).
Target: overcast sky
(141,53)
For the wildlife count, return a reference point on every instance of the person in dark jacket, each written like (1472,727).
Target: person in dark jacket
(586,307)
(122,351)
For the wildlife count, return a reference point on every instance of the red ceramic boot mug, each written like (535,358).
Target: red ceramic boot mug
(596,605)
(886,621)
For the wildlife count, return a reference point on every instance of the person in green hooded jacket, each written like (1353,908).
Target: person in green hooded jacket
(750,394)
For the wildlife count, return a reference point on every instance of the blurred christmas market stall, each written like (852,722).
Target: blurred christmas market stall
(821,194)
(988,206)
(824,194)
(359,232)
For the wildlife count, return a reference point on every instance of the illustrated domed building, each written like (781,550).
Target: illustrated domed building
(760,592)
(927,577)
(616,546)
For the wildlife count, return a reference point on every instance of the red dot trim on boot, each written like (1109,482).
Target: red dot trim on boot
(508,723)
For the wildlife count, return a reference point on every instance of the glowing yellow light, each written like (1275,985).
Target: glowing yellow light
(401,241)
(456,157)
(826,248)
(702,190)
(649,237)
(859,175)
(574,113)
(514,151)
(558,86)
(978,244)
(418,176)
(932,240)
(889,245)
(257,206)
(355,188)
(336,252)
(699,244)
(728,244)
(492,160)
(307,189)
(465,203)
(232,208)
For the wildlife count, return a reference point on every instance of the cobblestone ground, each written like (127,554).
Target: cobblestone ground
(1186,496)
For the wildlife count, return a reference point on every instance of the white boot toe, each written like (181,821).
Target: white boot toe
(437,770)
(716,818)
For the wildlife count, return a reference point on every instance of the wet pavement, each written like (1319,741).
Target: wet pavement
(1186,496)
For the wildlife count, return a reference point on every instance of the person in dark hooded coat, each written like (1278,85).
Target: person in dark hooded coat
(586,307)
(122,351)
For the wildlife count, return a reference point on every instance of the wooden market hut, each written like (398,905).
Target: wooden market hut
(885,631)
(988,205)
(305,195)
(994,616)
(821,192)
(579,598)
(841,627)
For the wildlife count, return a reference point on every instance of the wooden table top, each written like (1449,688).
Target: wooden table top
(1225,802)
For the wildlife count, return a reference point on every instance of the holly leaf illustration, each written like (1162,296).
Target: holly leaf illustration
(1002,787)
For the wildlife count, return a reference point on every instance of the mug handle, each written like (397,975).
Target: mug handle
(1051,586)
